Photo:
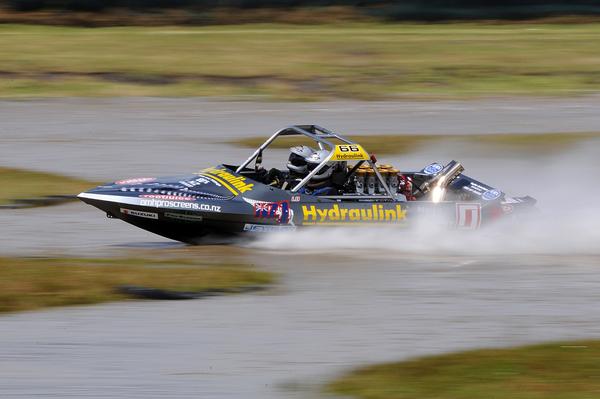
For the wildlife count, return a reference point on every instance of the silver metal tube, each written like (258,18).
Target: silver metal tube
(319,138)
(259,149)
(450,172)
(299,131)
(444,177)
(381,179)
(311,174)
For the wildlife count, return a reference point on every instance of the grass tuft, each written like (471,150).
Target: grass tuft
(302,62)
(33,283)
(20,183)
(565,370)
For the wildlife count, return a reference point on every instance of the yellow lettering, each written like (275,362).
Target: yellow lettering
(334,213)
(343,213)
(366,214)
(312,212)
(236,181)
(247,187)
(390,214)
(323,214)
(400,212)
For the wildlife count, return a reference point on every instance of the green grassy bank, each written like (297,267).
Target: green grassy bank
(34,283)
(20,183)
(302,62)
(567,370)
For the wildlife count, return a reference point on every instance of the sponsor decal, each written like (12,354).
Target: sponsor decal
(141,214)
(235,184)
(137,180)
(295,198)
(266,228)
(180,204)
(433,169)
(167,197)
(475,188)
(273,210)
(188,217)
(468,216)
(279,210)
(491,195)
(340,214)
(349,152)
(197,182)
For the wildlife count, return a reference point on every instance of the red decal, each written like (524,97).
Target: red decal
(468,216)
(167,197)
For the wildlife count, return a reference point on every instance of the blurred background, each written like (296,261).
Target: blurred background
(94,91)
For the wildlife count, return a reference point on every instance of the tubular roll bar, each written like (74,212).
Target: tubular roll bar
(320,135)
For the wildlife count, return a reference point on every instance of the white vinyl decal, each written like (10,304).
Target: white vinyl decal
(137,180)
(468,216)
(141,214)
(265,228)
(119,199)
(180,204)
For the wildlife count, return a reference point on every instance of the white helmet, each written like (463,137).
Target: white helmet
(297,162)
(315,160)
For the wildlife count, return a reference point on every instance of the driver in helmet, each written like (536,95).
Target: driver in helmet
(296,165)
(297,169)
(302,161)
(297,162)
(321,183)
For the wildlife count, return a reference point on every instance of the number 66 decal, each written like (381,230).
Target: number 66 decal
(349,148)
(348,152)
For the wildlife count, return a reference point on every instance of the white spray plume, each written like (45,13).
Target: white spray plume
(566,186)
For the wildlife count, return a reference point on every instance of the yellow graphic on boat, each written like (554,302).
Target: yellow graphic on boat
(349,152)
(376,213)
(235,184)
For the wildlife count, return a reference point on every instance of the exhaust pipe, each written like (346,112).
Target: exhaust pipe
(439,182)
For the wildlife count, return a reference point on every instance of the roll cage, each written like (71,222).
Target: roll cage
(322,137)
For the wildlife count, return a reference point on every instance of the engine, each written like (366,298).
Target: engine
(366,181)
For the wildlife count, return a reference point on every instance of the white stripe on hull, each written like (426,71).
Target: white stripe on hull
(117,199)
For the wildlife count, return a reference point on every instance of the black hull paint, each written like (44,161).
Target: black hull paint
(187,231)
(221,203)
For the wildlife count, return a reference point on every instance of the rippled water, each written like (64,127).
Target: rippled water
(108,138)
(329,313)
(345,298)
